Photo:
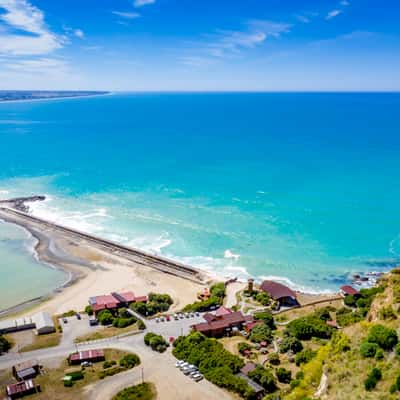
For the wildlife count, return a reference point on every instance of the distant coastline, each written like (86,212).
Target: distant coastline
(8,96)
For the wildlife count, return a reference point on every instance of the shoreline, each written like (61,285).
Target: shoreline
(56,98)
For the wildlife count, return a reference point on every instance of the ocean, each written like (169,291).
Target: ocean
(298,187)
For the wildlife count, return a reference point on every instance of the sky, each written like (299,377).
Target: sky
(200,45)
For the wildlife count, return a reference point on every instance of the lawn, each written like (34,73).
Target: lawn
(107,332)
(143,391)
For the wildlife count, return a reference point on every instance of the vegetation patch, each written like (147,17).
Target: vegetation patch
(216,298)
(143,391)
(156,342)
(156,303)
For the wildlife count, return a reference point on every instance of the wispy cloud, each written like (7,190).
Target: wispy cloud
(39,65)
(35,38)
(141,3)
(126,14)
(306,17)
(333,14)
(344,3)
(79,33)
(351,36)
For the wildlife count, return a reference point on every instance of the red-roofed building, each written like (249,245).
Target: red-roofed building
(87,355)
(347,290)
(114,300)
(281,293)
(223,311)
(217,326)
(20,389)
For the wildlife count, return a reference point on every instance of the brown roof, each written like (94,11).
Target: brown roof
(223,321)
(349,290)
(20,387)
(26,364)
(223,311)
(86,355)
(276,290)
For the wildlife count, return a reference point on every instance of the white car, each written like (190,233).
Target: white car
(197,377)
(157,319)
(179,363)
(184,365)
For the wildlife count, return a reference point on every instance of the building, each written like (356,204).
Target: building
(88,355)
(114,301)
(223,311)
(43,323)
(26,370)
(20,389)
(280,293)
(347,290)
(217,326)
(259,391)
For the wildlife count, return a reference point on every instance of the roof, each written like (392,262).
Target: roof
(20,387)
(248,368)
(220,322)
(86,355)
(347,289)
(25,365)
(276,290)
(43,320)
(141,298)
(223,311)
(26,373)
(255,386)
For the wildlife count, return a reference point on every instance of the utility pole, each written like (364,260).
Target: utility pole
(142,375)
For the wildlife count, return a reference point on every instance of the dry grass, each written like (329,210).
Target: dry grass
(107,333)
(43,341)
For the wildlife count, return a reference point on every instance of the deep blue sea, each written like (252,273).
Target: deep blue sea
(304,187)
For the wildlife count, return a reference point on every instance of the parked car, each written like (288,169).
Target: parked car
(86,364)
(190,368)
(187,315)
(93,322)
(176,317)
(157,319)
(168,318)
(65,320)
(197,314)
(197,377)
(183,365)
(78,316)
(181,316)
(192,315)
(179,363)
(162,319)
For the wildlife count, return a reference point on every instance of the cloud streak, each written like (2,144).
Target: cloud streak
(126,14)
(141,3)
(332,14)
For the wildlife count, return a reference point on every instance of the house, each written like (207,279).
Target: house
(347,290)
(280,293)
(219,325)
(26,370)
(43,323)
(259,391)
(114,301)
(20,389)
(88,355)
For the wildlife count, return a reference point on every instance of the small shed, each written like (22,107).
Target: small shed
(20,389)
(87,355)
(44,323)
(26,370)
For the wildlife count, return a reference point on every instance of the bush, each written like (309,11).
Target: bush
(217,364)
(349,317)
(261,333)
(374,376)
(368,349)
(379,355)
(129,361)
(143,391)
(387,313)
(290,343)
(382,336)
(108,364)
(304,356)
(88,310)
(217,292)
(350,301)
(263,298)
(124,322)
(267,317)
(105,317)
(274,359)
(264,377)
(5,345)
(283,375)
(141,325)
(110,371)
(156,342)
(307,327)
(243,346)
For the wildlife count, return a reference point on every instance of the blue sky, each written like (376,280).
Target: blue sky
(271,45)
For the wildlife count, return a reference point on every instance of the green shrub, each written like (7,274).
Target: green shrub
(156,303)
(350,301)
(217,292)
(124,322)
(5,345)
(261,333)
(264,377)
(382,336)
(368,349)
(129,361)
(274,359)
(379,355)
(263,298)
(304,356)
(267,317)
(156,342)
(105,317)
(243,346)
(290,343)
(283,375)
(374,376)
(387,313)
(110,371)
(143,391)
(307,327)
(88,310)
(141,325)
(109,364)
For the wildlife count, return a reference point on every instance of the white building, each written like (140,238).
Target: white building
(43,323)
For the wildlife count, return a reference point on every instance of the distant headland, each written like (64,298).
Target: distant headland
(19,95)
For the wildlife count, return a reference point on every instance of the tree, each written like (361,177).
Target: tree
(243,346)
(129,361)
(105,317)
(382,336)
(261,333)
(263,298)
(307,327)
(274,359)
(290,343)
(368,349)
(374,376)
(89,310)
(264,377)
(5,345)
(304,356)
(267,317)
(283,375)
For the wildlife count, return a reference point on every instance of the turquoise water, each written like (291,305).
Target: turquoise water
(301,187)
